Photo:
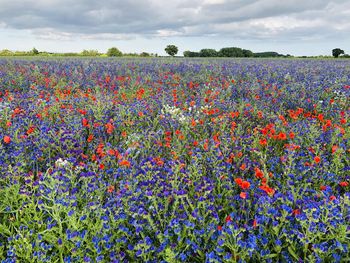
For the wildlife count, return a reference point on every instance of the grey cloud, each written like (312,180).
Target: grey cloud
(122,19)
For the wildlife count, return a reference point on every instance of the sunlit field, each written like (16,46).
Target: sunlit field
(174,160)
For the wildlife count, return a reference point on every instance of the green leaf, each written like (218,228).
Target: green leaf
(271,256)
(292,252)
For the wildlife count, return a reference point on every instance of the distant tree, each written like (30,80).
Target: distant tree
(35,51)
(247,53)
(268,54)
(337,51)
(145,54)
(171,50)
(231,52)
(114,52)
(208,52)
(191,54)
(90,53)
(6,52)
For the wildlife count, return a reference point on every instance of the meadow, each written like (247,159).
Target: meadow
(174,160)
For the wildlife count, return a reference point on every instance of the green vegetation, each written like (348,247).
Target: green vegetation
(232,52)
(114,52)
(171,50)
(337,51)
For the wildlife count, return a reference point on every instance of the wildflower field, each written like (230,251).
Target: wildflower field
(174,160)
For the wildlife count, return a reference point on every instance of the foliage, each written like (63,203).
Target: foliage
(171,50)
(207,52)
(337,51)
(190,54)
(114,52)
(35,51)
(90,53)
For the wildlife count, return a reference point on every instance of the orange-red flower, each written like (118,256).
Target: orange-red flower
(334,148)
(270,191)
(344,184)
(243,195)
(291,135)
(245,185)
(238,181)
(7,139)
(263,142)
(90,138)
(258,173)
(110,188)
(282,136)
(125,163)
(109,127)
(317,159)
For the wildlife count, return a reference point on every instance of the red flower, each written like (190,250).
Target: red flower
(323,187)
(110,188)
(243,166)
(90,138)
(282,136)
(258,173)
(228,219)
(331,198)
(109,127)
(317,159)
(291,135)
(245,185)
(238,181)
(85,122)
(270,191)
(296,212)
(320,117)
(219,228)
(124,163)
(334,148)
(263,142)
(344,184)
(243,195)
(7,139)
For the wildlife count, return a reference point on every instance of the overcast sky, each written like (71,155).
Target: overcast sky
(299,27)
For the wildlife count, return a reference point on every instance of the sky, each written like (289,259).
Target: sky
(298,27)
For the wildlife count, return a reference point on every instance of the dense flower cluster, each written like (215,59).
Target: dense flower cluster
(174,160)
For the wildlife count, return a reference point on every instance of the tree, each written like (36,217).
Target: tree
(191,54)
(171,50)
(268,54)
(337,51)
(89,53)
(114,52)
(247,53)
(208,52)
(145,54)
(231,52)
(35,51)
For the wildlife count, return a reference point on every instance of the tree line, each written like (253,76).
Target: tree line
(236,52)
(230,52)
(171,50)
(111,52)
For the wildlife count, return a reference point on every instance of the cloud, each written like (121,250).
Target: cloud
(114,20)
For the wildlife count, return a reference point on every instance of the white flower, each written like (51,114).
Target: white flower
(61,163)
